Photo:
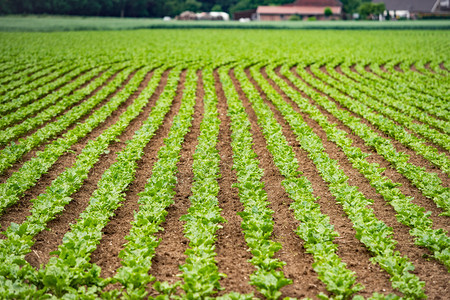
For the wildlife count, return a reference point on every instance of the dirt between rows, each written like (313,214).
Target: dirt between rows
(232,251)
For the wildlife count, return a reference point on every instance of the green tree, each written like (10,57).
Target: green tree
(216,7)
(192,5)
(367,9)
(328,12)
(350,6)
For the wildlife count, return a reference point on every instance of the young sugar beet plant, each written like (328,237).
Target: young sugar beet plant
(19,237)
(51,105)
(435,81)
(200,272)
(428,183)
(315,228)
(13,101)
(13,71)
(11,92)
(408,213)
(378,99)
(15,150)
(413,82)
(420,100)
(373,233)
(70,272)
(32,170)
(158,194)
(32,74)
(47,103)
(257,222)
(383,123)
(401,100)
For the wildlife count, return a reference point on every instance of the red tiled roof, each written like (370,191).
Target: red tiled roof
(296,10)
(321,3)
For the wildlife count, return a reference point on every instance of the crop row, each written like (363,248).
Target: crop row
(97,91)
(364,108)
(429,183)
(408,213)
(32,170)
(413,98)
(403,112)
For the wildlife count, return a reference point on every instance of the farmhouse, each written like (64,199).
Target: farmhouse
(303,8)
(413,8)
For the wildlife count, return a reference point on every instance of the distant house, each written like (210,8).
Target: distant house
(245,14)
(302,8)
(212,16)
(412,8)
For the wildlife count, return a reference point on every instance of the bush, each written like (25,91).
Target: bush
(294,18)
(312,19)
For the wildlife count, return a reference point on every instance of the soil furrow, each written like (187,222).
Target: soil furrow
(113,239)
(369,70)
(169,254)
(383,68)
(432,272)
(425,140)
(16,166)
(350,250)
(398,69)
(428,67)
(231,248)
(414,157)
(298,263)
(48,241)
(18,212)
(48,83)
(407,188)
(62,99)
(53,119)
(366,67)
(413,68)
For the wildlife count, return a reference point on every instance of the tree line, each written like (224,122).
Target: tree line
(141,8)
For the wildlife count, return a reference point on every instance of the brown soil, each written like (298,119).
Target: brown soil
(51,81)
(298,263)
(413,68)
(48,241)
(113,239)
(398,69)
(19,211)
(407,188)
(442,66)
(424,139)
(352,252)
(383,68)
(231,248)
(169,254)
(428,67)
(232,251)
(414,157)
(433,273)
(16,166)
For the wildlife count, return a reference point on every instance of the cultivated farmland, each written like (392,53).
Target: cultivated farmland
(235,164)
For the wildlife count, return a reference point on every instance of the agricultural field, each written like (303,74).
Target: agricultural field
(228,164)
